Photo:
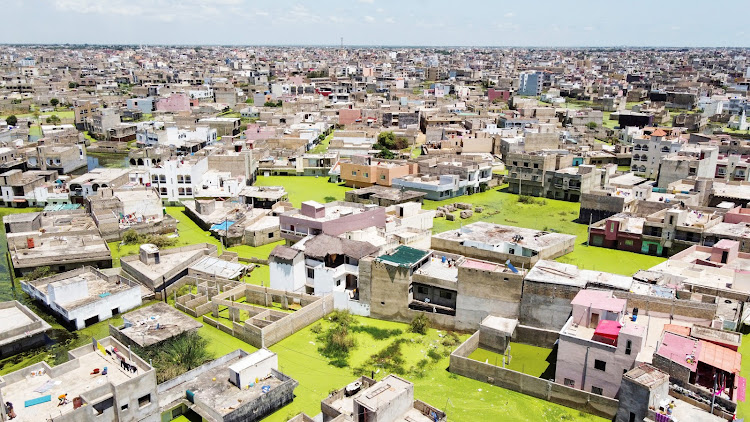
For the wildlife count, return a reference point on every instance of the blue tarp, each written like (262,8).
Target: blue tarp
(38,400)
(223,226)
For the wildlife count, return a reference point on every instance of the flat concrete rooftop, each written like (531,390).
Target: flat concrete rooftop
(75,381)
(495,234)
(61,250)
(17,322)
(220,395)
(141,324)
(96,286)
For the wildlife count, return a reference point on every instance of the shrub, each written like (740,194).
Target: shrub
(420,324)
(337,341)
(451,339)
(39,272)
(390,360)
(434,355)
(11,120)
(317,328)
(130,237)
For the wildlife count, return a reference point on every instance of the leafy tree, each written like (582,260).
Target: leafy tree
(72,85)
(591,125)
(54,102)
(420,324)
(12,120)
(53,120)
(390,141)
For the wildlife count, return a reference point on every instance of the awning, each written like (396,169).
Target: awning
(720,357)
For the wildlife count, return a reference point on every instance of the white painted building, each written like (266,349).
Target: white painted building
(85,296)
(178,179)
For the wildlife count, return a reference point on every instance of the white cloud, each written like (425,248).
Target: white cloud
(114,7)
(390,20)
(367,1)
(369,19)
(380,10)
(509,15)
(588,28)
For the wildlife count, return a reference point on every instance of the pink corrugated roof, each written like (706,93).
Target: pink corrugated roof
(681,350)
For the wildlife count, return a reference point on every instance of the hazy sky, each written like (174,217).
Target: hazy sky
(380,22)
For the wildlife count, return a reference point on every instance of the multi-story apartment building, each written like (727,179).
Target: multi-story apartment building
(363,171)
(90,392)
(598,343)
(648,152)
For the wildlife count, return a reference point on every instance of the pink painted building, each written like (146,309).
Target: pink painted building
(256,132)
(737,215)
(349,116)
(501,94)
(597,344)
(175,103)
(333,218)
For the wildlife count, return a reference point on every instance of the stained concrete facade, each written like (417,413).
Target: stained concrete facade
(119,396)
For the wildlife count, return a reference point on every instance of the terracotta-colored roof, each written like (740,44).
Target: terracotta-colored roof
(677,329)
(720,357)
(659,132)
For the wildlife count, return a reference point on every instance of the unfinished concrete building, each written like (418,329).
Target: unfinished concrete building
(101,381)
(84,296)
(117,211)
(498,243)
(256,325)
(152,325)
(455,292)
(235,387)
(388,400)
(20,329)
(157,269)
(61,241)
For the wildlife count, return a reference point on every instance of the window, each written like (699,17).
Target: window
(367,174)
(536,165)
(569,382)
(422,290)
(512,251)
(515,163)
(124,407)
(596,390)
(600,365)
(144,401)
(446,295)
(628,347)
(628,243)
(632,417)
(382,177)
(338,283)
(354,173)
(270,235)
(525,164)
(310,273)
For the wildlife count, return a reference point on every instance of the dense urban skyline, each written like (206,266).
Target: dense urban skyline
(376,22)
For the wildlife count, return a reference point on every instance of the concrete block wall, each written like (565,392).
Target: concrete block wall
(546,305)
(526,384)
(689,310)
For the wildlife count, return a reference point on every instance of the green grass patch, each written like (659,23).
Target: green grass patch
(299,358)
(306,188)
(530,360)
(322,147)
